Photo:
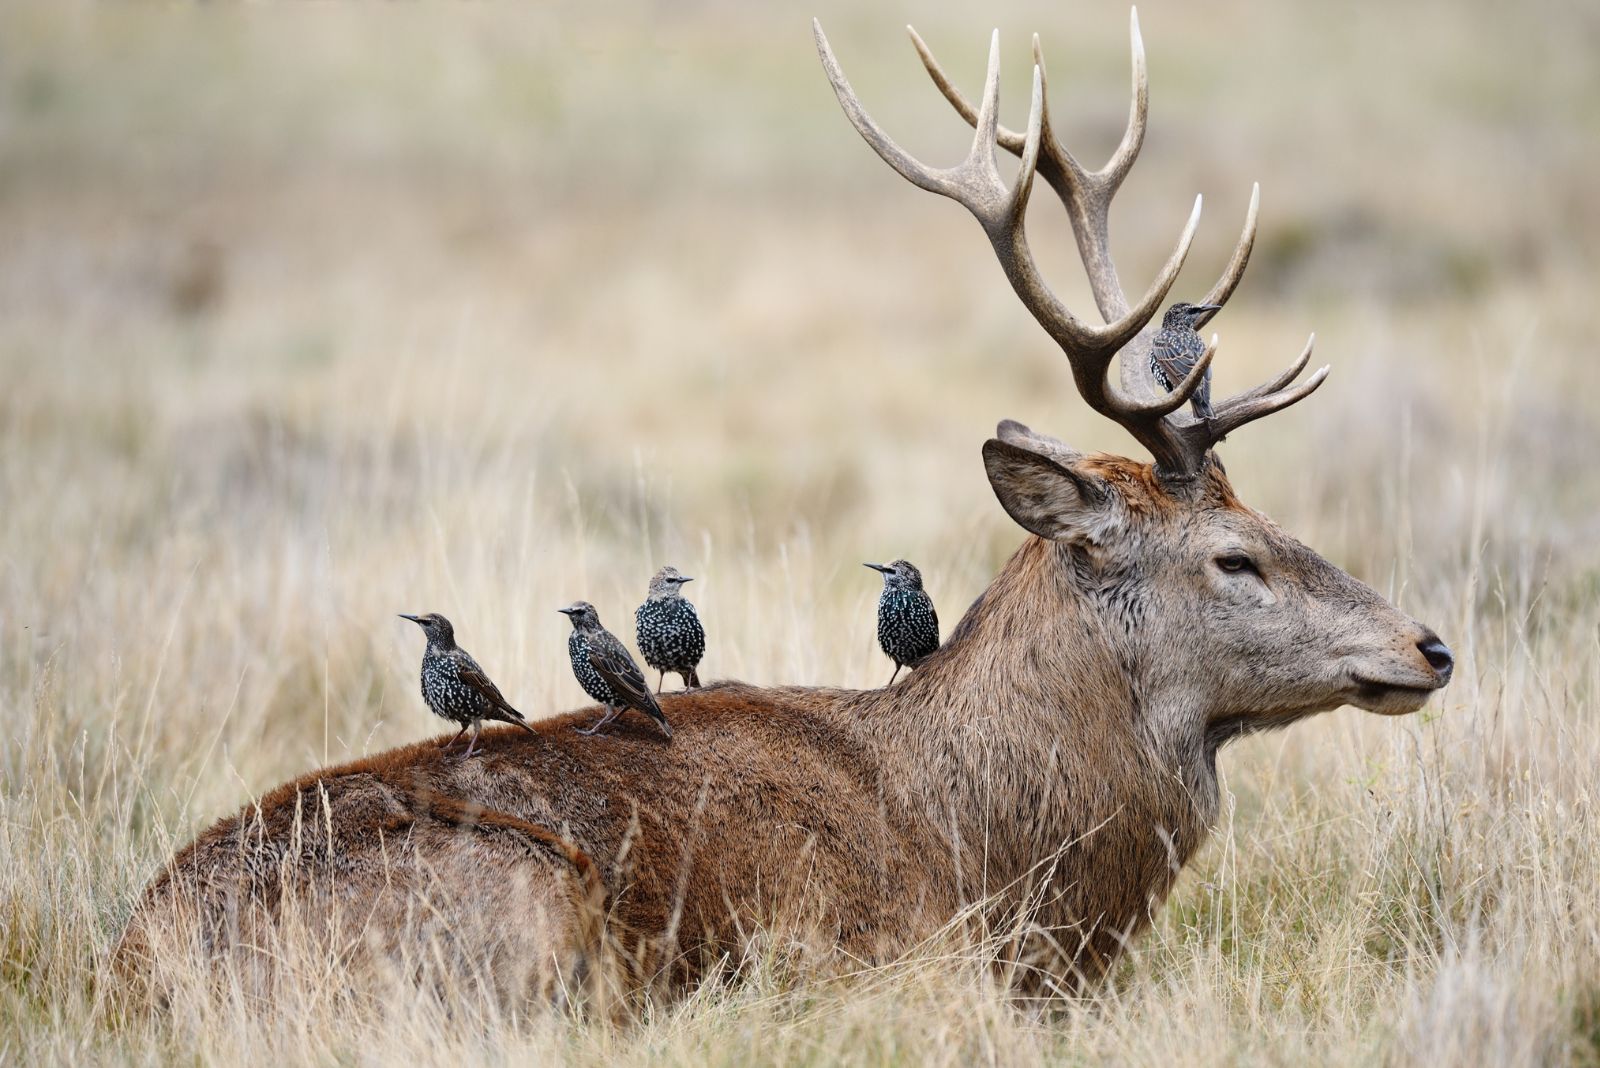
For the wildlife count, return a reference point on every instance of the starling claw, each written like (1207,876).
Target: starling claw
(611,714)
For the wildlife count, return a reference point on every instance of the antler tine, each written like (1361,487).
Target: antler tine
(1030,153)
(1194,439)
(1250,408)
(974,182)
(1121,161)
(1282,379)
(1229,279)
(1008,139)
(1058,164)
(1135,319)
(987,126)
(935,180)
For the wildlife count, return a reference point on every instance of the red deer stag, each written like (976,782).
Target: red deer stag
(1057,756)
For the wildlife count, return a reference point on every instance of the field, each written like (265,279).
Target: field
(313,315)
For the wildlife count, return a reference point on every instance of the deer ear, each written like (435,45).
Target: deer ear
(1048,496)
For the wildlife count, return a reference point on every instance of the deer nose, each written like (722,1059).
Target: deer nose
(1437,654)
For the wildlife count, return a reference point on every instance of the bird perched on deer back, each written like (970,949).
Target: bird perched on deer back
(668,629)
(908,627)
(456,688)
(606,671)
(1178,347)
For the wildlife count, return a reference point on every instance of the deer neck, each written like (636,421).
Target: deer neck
(1029,730)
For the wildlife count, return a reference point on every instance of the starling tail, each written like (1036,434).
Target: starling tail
(456,688)
(908,627)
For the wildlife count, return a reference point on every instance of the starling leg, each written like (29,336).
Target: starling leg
(892,677)
(472,744)
(453,741)
(661,682)
(611,714)
(692,680)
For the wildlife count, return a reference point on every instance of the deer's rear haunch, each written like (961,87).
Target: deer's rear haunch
(1055,757)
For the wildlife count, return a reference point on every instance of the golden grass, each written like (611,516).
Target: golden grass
(310,316)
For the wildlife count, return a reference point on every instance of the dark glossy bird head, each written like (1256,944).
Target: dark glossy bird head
(899,575)
(1190,315)
(436,627)
(582,614)
(667,584)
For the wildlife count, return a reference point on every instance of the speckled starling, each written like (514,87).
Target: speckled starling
(908,627)
(1178,347)
(668,629)
(455,687)
(606,671)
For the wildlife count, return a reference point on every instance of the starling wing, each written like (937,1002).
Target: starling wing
(1175,352)
(471,674)
(611,660)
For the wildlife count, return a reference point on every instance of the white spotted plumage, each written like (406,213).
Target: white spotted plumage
(908,626)
(593,685)
(670,635)
(667,629)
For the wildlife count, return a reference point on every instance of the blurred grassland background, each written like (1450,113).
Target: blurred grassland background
(310,315)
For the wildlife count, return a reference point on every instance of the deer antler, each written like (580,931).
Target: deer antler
(1176,440)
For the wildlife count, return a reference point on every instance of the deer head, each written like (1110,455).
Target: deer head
(1224,622)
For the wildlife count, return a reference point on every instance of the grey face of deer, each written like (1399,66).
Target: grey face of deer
(899,575)
(437,628)
(1230,624)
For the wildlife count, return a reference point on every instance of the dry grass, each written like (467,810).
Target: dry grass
(312,315)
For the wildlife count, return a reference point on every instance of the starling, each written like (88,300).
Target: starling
(606,671)
(668,629)
(456,688)
(1178,347)
(908,627)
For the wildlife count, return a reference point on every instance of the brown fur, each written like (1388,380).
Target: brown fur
(1055,758)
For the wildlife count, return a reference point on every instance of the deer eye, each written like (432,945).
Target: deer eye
(1237,564)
